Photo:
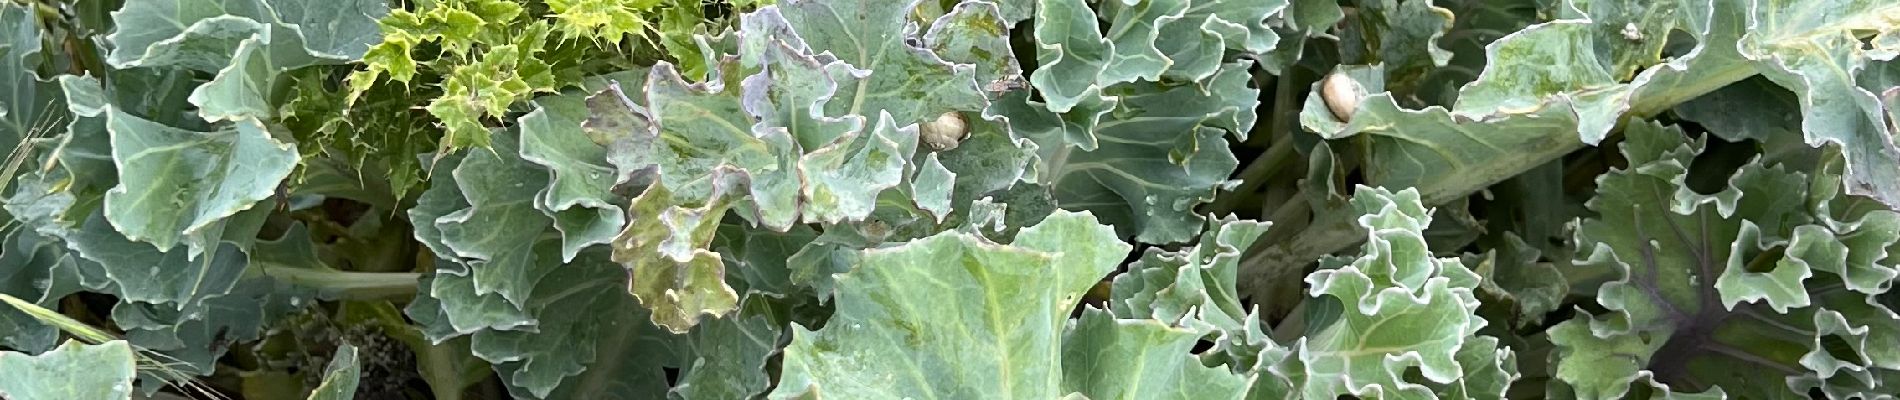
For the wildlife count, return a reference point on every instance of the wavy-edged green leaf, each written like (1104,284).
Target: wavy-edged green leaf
(1542,101)
(496,235)
(580,181)
(712,131)
(144,274)
(1074,55)
(169,32)
(1146,40)
(1815,50)
(1194,286)
(890,337)
(1196,43)
(192,339)
(842,181)
(1707,281)
(932,187)
(1162,152)
(72,371)
(1398,308)
(976,33)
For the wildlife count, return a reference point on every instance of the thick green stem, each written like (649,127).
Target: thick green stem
(344,285)
(1278,156)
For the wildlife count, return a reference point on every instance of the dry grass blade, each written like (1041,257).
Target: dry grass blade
(149,361)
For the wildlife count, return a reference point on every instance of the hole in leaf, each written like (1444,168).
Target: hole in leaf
(1202,347)
(1760,261)
(1679,43)
(672,375)
(1840,349)
(1711,170)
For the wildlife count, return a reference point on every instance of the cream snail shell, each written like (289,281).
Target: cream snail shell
(945,132)
(1342,95)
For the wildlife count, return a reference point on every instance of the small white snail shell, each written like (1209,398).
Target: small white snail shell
(1342,95)
(945,132)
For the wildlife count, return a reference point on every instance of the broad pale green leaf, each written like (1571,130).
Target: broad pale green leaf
(1194,288)
(1489,371)
(175,183)
(1544,91)
(728,358)
(72,371)
(1597,367)
(1208,29)
(892,338)
(452,308)
(1146,40)
(340,377)
(193,338)
(437,201)
(168,32)
(713,132)
(1108,358)
(144,274)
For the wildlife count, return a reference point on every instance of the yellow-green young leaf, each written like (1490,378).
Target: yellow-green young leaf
(603,20)
(72,371)
(664,250)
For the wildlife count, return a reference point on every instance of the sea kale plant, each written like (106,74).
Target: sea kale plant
(950,199)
